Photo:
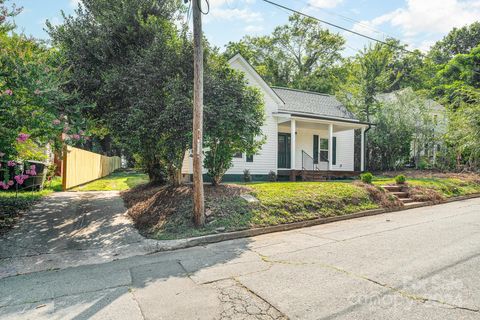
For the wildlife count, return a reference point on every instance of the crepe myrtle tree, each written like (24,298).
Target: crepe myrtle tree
(33,102)
(234,115)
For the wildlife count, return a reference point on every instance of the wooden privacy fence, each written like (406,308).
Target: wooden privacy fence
(80,166)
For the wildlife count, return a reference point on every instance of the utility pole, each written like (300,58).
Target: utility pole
(198,194)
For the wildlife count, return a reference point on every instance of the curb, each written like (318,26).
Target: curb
(169,245)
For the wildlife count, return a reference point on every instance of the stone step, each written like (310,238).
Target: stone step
(406,200)
(392,188)
(400,194)
(413,204)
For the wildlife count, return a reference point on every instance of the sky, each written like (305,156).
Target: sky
(418,23)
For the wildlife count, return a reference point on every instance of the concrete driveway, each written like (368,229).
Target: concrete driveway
(69,229)
(417,264)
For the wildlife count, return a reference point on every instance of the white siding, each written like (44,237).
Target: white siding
(345,150)
(266,159)
(304,142)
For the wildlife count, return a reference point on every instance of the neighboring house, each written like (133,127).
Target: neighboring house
(427,150)
(307,134)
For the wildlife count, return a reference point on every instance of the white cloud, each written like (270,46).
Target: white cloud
(435,16)
(74,3)
(425,19)
(253,28)
(236,14)
(324,3)
(232,10)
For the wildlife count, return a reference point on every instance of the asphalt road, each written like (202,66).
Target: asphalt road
(416,264)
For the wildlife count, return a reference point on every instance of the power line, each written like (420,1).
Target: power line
(360,23)
(337,26)
(350,31)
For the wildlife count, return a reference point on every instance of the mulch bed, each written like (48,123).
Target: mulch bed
(150,206)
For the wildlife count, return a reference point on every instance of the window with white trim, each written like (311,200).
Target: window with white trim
(323,150)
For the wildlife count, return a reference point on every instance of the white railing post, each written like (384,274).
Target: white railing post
(293,129)
(330,146)
(362,151)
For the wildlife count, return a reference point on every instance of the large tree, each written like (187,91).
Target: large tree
(457,86)
(130,59)
(457,41)
(32,97)
(234,115)
(133,61)
(300,54)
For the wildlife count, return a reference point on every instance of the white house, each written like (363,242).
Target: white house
(438,117)
(308,134)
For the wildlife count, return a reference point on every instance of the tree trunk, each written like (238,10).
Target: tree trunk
(154,171)
(175,176)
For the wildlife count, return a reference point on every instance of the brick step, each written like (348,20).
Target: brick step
(392,188)
(400,194)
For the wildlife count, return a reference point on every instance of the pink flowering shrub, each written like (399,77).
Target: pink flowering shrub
(15,170)
(22,137)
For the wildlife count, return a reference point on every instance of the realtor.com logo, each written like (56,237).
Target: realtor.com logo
(429,292)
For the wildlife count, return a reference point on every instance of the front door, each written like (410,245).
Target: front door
(284,150)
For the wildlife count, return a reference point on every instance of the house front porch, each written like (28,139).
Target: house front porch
(313,148)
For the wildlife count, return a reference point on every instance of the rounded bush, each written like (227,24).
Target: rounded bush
(246,176)
(272,176)
(366,177)
(400,179)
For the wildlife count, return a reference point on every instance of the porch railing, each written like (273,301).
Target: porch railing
(307,162)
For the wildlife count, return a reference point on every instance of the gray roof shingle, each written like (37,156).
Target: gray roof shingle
(318,104)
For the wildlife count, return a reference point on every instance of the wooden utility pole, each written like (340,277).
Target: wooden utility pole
(198,195)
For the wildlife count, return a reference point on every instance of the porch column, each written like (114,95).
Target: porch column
(293,129)
(330,146)
(362,152)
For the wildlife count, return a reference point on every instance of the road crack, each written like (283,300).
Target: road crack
(404,293)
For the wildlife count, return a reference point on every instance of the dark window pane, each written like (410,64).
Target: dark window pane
(324,144)
(324,155)
(315,149)
(238,155)
(249,158)
(334,151)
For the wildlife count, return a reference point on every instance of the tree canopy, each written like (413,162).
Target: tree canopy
(299,54)
(136,65)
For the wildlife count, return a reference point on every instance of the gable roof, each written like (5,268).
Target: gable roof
(313,103)
(299,101)
(249,68)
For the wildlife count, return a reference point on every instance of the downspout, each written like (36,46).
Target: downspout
(365,147)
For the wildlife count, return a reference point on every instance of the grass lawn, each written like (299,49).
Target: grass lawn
(447,187)
(117,181)
(165,212)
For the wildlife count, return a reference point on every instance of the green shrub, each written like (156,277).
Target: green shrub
(366,177)
(246,175)
(400,179)
(272,176)
(423,164)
